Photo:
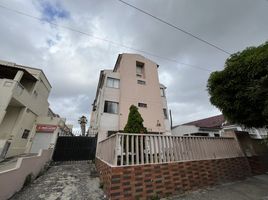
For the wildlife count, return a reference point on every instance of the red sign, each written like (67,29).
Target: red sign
(45,128)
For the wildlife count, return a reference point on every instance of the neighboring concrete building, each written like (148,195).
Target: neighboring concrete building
(256,133)
(133,81)
(24,104)
(210,126)
(214,127)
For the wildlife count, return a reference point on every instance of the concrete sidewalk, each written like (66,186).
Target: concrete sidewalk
(253,188)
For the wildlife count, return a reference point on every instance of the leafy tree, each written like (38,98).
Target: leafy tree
(240,90)
(135,121)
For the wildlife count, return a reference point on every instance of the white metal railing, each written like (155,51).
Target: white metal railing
(135,149)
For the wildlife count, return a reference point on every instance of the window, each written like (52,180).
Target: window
(112,82)
(111,107)
(165,113)
(141,82)
(162,91)
(139,69)
(25,133)
(142,105)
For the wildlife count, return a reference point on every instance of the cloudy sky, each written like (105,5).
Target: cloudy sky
(72,60)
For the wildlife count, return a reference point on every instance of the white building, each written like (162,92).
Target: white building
(215,127)
(24,104)
(210,126)
(133,81)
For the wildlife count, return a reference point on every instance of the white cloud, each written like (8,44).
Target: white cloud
(72,61)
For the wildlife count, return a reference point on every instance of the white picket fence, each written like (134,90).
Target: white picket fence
(136,149)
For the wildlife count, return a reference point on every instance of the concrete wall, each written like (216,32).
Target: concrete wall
(8,123)
(12,180)
(25,122)
(255,150)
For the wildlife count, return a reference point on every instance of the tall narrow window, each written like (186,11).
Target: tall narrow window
(111,107)
(140,69)
(25,134)
(112,82)
(165,113)
(162,91)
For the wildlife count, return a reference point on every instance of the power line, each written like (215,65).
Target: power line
(176,27)
(102,39)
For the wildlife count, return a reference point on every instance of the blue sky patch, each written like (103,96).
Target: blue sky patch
(51,12)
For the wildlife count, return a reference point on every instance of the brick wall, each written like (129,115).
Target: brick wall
(144,181)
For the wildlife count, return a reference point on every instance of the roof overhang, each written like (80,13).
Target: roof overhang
(8,70)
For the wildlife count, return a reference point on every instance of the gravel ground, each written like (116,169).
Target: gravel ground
(68,181)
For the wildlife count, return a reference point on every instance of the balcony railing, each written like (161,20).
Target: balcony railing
(135,149)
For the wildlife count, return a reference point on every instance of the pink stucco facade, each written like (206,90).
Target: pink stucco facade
(135,88)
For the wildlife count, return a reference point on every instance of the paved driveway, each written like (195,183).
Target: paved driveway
(71,181)
(253,188)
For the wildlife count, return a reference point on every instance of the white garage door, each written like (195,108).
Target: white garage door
(41,141)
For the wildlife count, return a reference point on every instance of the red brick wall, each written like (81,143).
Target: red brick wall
(144,181)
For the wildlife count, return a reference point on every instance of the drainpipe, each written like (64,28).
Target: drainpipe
(171,125)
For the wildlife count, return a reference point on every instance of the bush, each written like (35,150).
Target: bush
(134,122)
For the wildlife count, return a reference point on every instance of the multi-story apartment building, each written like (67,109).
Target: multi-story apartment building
(24,95)
(133,81)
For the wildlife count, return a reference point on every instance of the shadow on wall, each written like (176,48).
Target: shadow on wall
(255,150)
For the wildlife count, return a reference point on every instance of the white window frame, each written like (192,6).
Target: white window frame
(113,82)
(140,69)
(111,110)
(162,92)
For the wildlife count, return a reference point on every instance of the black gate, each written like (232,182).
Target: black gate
(75,148)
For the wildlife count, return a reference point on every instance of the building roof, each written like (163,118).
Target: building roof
(6,71)
(129,54)
(24,69)
(210,122)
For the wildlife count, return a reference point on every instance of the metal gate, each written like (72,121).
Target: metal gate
(75,148)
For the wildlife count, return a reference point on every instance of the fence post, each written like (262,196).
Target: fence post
(116,149)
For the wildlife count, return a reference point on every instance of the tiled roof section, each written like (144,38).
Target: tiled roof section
(211,122)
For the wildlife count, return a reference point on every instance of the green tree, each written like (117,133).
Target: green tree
(240,90)
(134,122)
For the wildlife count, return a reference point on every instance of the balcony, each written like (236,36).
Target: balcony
(13,92)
